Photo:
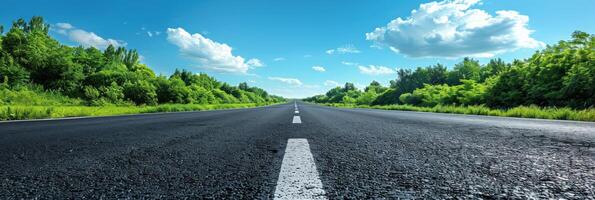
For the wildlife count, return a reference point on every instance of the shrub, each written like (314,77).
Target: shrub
(141,92)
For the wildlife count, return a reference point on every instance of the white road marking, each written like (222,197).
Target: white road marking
(297,112)
(297,120)
(298,178)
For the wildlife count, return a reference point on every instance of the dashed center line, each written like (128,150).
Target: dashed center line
(296,117)
(297,120)
(298,178)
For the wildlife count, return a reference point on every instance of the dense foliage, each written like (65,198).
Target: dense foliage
(34,64)
(562,75)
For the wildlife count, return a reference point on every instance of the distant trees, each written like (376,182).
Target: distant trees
(29,57)
(562,75)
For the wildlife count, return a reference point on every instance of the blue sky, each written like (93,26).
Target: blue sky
(302,48)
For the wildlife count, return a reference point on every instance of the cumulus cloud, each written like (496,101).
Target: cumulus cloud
(209,54)
(330,83)
(279,59)
(452,28)
(319,68)
(291,81)
(65,26)
(255,63)
(376,70)
(85,38)
(343,50)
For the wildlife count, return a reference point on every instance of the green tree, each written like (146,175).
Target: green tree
(11,72)
(243,86)
(468,69)
(493,68)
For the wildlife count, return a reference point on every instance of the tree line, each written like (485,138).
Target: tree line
(561,75)
(31,59)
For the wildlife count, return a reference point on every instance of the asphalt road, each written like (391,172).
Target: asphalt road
(331,153)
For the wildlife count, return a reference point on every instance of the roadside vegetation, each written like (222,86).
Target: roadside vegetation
(555,83)
(41,78)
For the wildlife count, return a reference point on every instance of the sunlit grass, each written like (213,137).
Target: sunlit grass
(18,112)
(521,111)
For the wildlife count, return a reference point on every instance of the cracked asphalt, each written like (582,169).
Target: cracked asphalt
(237,154)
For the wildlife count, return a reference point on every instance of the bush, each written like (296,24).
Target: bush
(141,93)
(366,98)
(408,98)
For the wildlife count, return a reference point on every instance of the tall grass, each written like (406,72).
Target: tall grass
(33,96)
(18,112)
(521,111)
(35,103)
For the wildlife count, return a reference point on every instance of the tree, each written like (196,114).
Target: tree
(185,75)
(31,58)
(375,87)
(91,59)
(243,86)
(12,73)
(468,69)
(349,87)
(562,75)
(130,58)
(507,89)
(179,92)
(493,68)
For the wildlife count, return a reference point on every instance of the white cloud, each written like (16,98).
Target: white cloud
(349,48)
(85,38)
(64,26)
(330,83)
(376,70)
(451,29)
(255,63)
(348,63)
(279,59)
(209,54)
(153,33)
(319,68)
(291,81)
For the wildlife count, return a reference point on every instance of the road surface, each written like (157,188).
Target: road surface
(297,150)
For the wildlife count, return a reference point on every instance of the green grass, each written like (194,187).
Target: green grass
(521,111)
(35,97)
(18,112)
(35,103)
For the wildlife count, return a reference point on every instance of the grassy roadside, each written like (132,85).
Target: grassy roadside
(521,111)
(19,112)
